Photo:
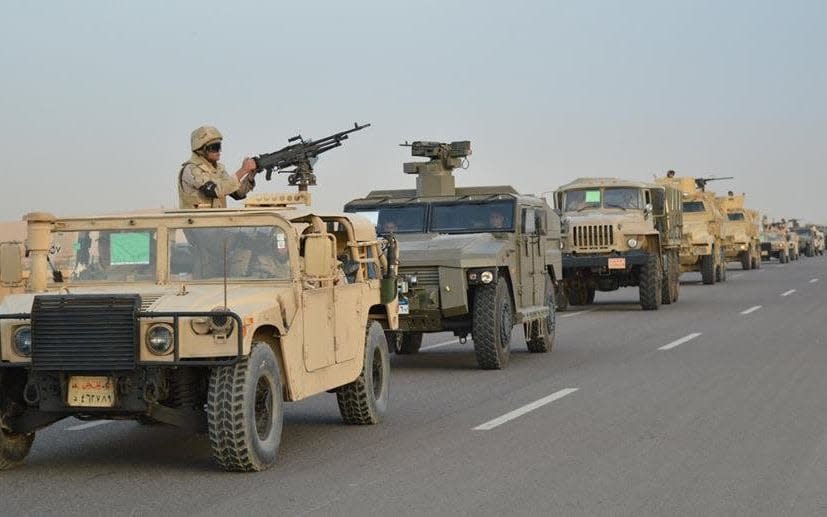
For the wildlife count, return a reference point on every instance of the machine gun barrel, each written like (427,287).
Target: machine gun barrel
(301,156)
(701,182)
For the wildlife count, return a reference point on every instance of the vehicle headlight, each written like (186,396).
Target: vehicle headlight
(159,339)
(23,341)
(221,323)
(632,242)
(486,277)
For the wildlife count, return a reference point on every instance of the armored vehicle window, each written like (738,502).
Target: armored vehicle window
(802,231)
(693,206)
(496,216)
(582,199)
(396,219)
(106,256)
(252,252)
(735,216)
(625,198)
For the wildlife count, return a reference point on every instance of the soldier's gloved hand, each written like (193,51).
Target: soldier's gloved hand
(248,165)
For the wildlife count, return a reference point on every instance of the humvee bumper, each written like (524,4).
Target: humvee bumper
(632,258)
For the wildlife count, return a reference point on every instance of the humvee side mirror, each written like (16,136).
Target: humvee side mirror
(11,263)
(319,255)
(647,209)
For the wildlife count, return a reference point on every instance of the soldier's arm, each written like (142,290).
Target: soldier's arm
(211,187)
(246,176)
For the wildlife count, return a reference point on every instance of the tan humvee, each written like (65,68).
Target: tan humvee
(620,233)
(205,319)
(702,246)
(741,232)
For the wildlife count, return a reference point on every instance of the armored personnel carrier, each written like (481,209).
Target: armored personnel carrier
(740,232)
(473,260)
(702,247)
(619,233)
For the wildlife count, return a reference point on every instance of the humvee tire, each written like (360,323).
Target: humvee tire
(589,295)
(245,410)
(409,343)
(365,400)
(562,298)
(14,447)
(708,269)
(746,260)
(650,284)
(491,325)
(578,294)
(542,344)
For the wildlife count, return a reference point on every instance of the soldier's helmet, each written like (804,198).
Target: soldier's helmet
(204,135)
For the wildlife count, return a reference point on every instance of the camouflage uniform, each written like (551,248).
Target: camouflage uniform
(198,171)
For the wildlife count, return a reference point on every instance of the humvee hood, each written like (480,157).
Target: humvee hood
(462,250)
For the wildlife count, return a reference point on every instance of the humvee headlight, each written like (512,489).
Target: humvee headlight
(23,341)
(221,323)
(486,277)
(159,339)
(632,242)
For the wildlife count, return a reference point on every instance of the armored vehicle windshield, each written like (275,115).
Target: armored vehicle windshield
(735,216)
(610,197)
(442,217)
(106,256)
(693,207)
(803,231)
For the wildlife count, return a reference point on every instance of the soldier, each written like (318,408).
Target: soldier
(670,174)
(203,182)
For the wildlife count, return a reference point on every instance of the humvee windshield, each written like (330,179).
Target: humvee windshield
(251,252)
(736,216)
(105,256)
(493,216)
(693,206)
(610,197)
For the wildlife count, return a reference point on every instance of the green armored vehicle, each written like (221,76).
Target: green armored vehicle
(473,260)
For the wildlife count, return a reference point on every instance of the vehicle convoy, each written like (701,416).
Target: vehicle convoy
(702,246)
(774,245)
(206,319)
(473,260)
(818,241)
(808,239)
(741,232)
(619,233)
(793,241)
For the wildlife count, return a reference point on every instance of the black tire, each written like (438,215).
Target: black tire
(708,269)
(14,447)
(536,343)
(667,287)
(409,343)
(577,294)
(746,260)
(810,251)
(491,325)
(649,285)
(245,409)
(720,275)
(365,400)
(590,295)
(562,298)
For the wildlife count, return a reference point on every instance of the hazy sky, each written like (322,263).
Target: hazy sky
(99,97)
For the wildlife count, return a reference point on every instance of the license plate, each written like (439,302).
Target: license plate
(91,391)
(404,308)
(617,263)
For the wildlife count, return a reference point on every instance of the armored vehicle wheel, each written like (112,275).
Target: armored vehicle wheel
(245,410)
(590,295)
(650,284)
(746,260)
(491,326)
(541,344)
(810,251)
(578,294)
(671,280)
(708,269)
(720,274)
(562,298)
(14,448)
(408,343)
(365,400)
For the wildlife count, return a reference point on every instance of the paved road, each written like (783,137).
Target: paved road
(713,406)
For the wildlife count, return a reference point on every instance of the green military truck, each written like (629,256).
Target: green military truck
(619,233)
(473,260)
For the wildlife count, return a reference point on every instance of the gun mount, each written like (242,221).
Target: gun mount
(435,177)
(301,156)
(701,182)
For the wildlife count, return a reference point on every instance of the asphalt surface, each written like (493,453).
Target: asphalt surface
(710,406)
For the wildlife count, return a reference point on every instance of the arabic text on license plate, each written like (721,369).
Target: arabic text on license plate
(91,391)
(617,263)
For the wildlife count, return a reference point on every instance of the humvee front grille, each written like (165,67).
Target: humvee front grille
(85,332)
(593,236)
(424,275)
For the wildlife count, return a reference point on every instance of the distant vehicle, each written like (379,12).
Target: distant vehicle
(740,232)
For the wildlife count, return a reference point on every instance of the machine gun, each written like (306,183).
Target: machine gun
(301,156)
(701,182)
(434,177)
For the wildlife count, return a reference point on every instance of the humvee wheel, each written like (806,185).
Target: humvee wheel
(578,294)
(589,295)
(491,326)
(245,409)
(708,269)
(562,298)
(542,344)
(14,448)
(746,260)
(365,400)
(649,285)
(408,343)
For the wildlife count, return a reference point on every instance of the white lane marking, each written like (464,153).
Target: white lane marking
(814,280)
(787,293)
(439,345)
(578,313)
(680,341)
(736,275)
(751,309)
(88,425)
(511,415)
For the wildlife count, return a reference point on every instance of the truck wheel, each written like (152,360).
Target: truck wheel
(365,400)
(667,287)
(562,299)
(810,252)
(650,284)
(409,343)
(708,269)
(491,326)
(589,295)
(746,260)
(542,344)
(14,447)
(720,275)
(245,409)
(578,294)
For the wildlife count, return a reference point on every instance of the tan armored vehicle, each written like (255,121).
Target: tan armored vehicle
(619,233)
(793,240)
(702,247)
(741,232)
(205,319)
(809,241)
(818,241)
(774,245)
(473,260)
